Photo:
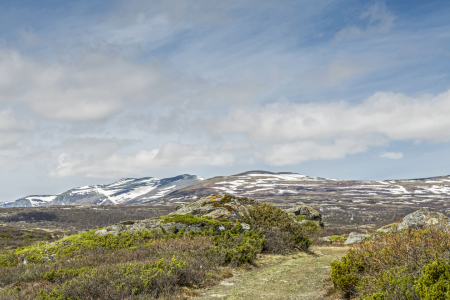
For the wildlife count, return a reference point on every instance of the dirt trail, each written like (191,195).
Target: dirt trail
(298,276)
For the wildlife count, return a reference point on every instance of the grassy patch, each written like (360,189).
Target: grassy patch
(189,219)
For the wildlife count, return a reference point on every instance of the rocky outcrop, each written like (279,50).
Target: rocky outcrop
(308,211)
(422,218)
(356,237)
(152,224)
(223,208)
(218,207)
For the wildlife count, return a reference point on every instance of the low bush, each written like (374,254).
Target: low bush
(434,284)
(239,246)
(265,217)
(389,266)
(189,219)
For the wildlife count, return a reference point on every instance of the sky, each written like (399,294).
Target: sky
(94,91)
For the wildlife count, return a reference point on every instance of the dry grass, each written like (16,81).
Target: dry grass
(296,276)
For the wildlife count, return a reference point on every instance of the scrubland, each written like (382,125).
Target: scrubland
(147,264)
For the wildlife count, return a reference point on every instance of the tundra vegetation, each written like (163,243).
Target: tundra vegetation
(407,264)
(152,264)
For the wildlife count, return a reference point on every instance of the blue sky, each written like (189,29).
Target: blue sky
(93,91)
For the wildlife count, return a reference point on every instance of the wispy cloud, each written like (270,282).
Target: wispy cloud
(378,19)
(391,155)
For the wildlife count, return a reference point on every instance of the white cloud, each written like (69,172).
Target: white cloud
(294,133)
(90,88)
(11,128)
(378,18)
(391,155)
(170,155)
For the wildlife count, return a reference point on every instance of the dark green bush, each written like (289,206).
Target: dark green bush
(264,217)
(388,266)
(7,258)
(434,284)
(239,246)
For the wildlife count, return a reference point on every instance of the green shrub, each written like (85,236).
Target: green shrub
(434,284)
(301,217)
(189,219)
(311,227)
(8,259)
(61,275)
(265,216)
(337,238)
(239,246)
(344,274)
(123,281)
(396,284)
(390,264)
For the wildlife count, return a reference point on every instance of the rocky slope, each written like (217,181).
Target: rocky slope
(341,201)
(123,191)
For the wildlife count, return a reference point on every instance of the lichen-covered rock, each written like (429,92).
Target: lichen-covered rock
(308,211)
(218,207)
(356,237)
(422,218)
(326,239)
(151,224)
(213,210)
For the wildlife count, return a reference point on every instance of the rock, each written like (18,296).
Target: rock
(245,226)
(218,207)
(101,232)
(308,211)
(356,237)
(326,239)
(422,218)
(22,258)
(49,258)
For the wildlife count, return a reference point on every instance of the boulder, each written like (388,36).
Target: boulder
(308,211)
(422,218)
(356,237)
(218,207)
(326,239)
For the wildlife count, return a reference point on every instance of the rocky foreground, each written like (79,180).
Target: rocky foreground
(201,213)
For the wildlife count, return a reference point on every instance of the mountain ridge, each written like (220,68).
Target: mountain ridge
(122,191)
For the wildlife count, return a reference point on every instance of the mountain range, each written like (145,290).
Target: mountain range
(123,191)
(286,189)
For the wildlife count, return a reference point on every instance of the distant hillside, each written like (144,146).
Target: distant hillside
(341,201)
(123,191)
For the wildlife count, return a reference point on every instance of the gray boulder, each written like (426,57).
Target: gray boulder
(217,207)
(326,239)
(356,237)
(308,211)
(422,218)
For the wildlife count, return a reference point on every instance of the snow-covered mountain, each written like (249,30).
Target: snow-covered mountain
(292,188)
(123,191)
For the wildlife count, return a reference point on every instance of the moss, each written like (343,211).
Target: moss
(337,238)
(301,217)
(189,219)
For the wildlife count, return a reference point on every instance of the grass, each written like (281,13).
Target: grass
(189,219)
(296,276)
(146,264)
